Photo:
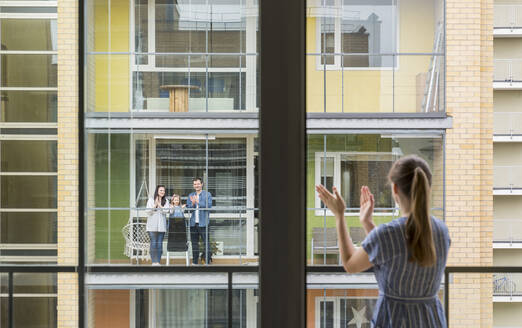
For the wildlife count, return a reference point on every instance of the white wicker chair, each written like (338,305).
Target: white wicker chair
(137,241)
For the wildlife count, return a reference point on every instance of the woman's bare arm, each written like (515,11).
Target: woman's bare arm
(353,259)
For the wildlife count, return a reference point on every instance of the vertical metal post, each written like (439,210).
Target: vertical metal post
(230,303)
(283,179)
(10,305)
(81,167)
(446,296)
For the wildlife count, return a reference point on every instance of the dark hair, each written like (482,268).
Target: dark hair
(197,178)
(412,176)
(164,198)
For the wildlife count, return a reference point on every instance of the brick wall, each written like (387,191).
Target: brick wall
(67,160)
(469,177)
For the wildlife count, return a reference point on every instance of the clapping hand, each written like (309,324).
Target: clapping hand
(334,201)
(367,205)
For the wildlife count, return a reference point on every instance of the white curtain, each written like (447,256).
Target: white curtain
(183,308)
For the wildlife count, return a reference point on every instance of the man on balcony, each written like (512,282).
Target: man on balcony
(200,201)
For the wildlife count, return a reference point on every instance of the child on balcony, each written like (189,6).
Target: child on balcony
(177,238)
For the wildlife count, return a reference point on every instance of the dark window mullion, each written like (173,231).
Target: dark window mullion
(282,135)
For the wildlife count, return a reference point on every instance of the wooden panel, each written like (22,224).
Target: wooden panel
(111,308)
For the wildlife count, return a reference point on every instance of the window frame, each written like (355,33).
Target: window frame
(28,246)
(248,217)
(319,158)
(338,58)
(54,59)
(337,307)
(150,67)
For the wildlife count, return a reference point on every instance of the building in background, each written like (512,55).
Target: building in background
(507,161)
(171,91)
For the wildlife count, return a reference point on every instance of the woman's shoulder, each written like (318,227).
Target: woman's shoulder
(440,225)
(393,225)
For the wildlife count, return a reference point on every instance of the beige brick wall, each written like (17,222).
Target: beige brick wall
(469,172)
(68,160)
(67,306)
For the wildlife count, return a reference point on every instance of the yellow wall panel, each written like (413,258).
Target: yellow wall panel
(112,73)
(371,89)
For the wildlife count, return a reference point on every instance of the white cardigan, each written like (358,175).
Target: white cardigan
(156,220)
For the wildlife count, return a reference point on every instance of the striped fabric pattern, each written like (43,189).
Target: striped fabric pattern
(407,291)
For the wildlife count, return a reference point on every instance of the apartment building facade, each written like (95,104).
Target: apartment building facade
(506,158)
(125,95)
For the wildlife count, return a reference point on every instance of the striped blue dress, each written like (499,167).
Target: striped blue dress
(407,291)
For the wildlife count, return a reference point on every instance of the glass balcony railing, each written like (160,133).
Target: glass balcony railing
(507,16)
(173,82)
(368,83)
(507,70)
(507,176)
(507,231)
(119,236)
(507,123)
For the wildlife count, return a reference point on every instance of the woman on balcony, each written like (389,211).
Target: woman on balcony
(157,208)
(408,254)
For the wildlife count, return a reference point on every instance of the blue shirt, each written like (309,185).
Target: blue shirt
(407,291)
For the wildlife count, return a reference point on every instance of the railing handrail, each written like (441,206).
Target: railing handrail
(506,166)
(507,220)
(507,59)
(510,113)
(507,5)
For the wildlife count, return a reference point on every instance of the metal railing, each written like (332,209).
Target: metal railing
(507,230)
(507,176)
(507,123)
(507,284)
(508,70)
(507,16)
(511,286)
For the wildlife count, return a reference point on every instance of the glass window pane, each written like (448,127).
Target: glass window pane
(178,28)
(28,191)
(419,84)
(28,70)
(4,303)
(191,307)
(356,160)
(28,156)
(178,161)
(327,314)
(28,106)
(42,309)
(368,27)
(35,283)
(32,228)
(141,30)
(142,172)
(28,34)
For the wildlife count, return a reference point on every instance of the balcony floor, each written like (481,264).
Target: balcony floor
(507,191)
(507,85)
(507,138)
(507,299)
(506,32)
(507,245)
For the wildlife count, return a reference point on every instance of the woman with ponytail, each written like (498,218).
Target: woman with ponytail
(408,255)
